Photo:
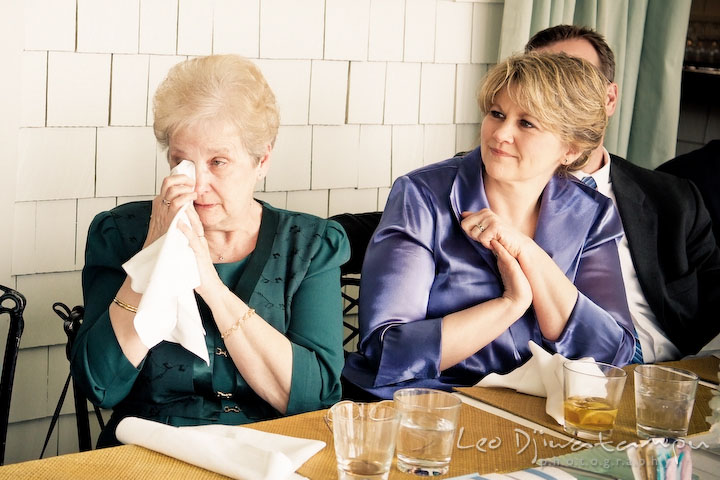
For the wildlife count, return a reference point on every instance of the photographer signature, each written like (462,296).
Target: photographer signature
(525,441)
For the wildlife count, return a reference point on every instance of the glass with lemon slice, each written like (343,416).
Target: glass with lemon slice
(591,396)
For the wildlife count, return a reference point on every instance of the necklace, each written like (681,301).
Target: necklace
(221,258)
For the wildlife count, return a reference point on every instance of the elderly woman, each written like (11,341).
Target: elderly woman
(269,294)
(478,255)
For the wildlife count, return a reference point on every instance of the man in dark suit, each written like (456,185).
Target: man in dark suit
(669,258)
(702,167)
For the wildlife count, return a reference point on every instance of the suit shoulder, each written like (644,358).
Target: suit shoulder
(649,178)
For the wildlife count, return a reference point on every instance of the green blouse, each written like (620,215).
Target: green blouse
(291,279)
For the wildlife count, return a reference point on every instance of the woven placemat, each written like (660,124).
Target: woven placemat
(533,408)
(706,368)
(125,462)
(486,443)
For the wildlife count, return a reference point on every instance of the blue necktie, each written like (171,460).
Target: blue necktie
(590,182)
(637,357)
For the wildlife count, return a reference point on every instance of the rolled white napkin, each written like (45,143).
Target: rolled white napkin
(236,452)
(541,376)
(166,273)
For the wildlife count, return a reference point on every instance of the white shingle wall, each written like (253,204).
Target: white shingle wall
(128,96)
(195,27)
(328,92)
(33,84)
(236,27)
(158,26)
(107,26)
(368,90)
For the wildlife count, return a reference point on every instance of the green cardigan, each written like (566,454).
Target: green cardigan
(292,280)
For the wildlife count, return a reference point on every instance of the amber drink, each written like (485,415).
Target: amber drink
(592,392)
(590,413)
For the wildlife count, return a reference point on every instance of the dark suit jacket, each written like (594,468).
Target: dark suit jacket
(673,249)
(702,167)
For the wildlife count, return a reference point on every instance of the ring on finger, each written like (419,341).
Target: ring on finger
(479,227)
(166,202)
(201,236)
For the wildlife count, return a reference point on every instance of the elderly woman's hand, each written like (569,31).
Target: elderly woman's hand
(485,226)
(176,191)
(210,282)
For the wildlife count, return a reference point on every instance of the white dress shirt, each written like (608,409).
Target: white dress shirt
(656,347)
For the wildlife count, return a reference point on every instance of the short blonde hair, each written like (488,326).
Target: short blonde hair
(228,88)
(565,94)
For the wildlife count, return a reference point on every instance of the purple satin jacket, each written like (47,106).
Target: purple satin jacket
(420,266)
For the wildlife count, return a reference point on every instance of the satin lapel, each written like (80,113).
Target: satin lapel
(468,194)
(566,215)
(639,219)
(258,258)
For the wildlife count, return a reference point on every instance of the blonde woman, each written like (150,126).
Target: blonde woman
(477,255)
(269,296)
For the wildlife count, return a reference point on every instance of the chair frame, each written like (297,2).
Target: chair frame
(352,303)
(72,319)
(12,347)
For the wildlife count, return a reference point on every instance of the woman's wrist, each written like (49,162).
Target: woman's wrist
(217,295)
(527,253)
(514,307)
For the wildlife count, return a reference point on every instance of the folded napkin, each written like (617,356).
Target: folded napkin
(166,273)
(236,452)
(541,376)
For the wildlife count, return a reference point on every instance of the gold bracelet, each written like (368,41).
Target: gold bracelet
(123,305)
(237,324)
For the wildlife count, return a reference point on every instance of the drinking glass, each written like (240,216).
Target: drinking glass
(428,420)
(364,435)
(591,397)
(664,399)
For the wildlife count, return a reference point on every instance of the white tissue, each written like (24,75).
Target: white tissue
(166,273)
(541,376)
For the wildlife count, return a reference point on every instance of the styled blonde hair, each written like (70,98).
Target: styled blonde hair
(565,94)
(228,88)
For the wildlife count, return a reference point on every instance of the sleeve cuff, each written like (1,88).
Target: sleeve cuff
(592,332)
(409,351)
(306,382)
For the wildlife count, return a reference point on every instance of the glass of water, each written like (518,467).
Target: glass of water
(428,420)
(364,435)
(664,399)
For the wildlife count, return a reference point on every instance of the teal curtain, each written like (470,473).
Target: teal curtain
(648,39)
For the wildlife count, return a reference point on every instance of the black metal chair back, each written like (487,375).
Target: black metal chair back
(12,303)
(359,228)
(72,319)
